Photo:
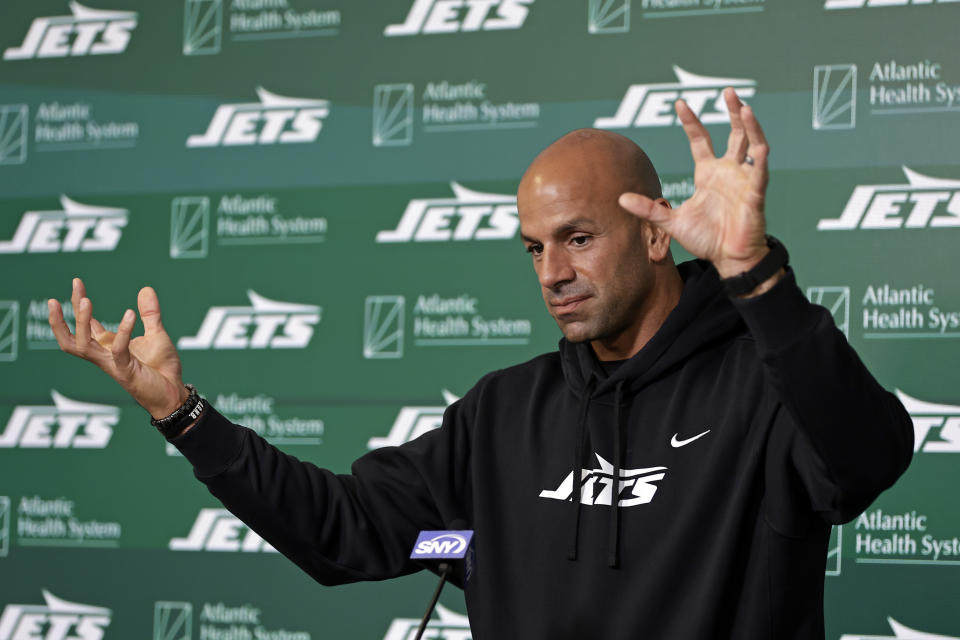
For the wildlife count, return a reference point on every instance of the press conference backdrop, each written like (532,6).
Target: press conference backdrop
(323,194)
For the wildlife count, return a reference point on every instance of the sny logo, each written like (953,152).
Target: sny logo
(440,543)
(928,416)
(635,485)
(266,324)
(67,424)
(900,632)
(450,16)
(859,4)
(57,620)
(459,218)
(651,105)
(275,119)
(86,32)
(78,227)
(413,422)
(220,530)
(922,202)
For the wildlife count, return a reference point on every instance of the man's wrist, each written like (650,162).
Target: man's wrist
(757,275)
(184,417)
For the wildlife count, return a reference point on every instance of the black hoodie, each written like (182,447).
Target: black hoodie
(739,434)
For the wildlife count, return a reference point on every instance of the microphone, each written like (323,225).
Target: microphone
(443,551)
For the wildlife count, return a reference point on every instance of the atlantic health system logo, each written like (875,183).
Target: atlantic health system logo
(54,620)
(86,32)
(13,133)
(922,202)
(75,227)
(651,105)
(274,120)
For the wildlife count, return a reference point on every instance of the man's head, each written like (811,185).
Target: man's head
(598,265)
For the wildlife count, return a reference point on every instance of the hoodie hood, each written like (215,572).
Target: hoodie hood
(703,316)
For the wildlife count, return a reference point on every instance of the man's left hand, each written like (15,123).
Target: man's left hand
(723,221)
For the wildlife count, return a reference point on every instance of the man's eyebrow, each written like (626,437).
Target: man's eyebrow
(565,228)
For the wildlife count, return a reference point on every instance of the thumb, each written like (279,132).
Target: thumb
(646,208)
(149,307)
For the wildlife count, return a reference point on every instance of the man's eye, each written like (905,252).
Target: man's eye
(580,240)
(534,249)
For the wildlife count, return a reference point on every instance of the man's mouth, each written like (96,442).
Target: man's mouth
(567,305)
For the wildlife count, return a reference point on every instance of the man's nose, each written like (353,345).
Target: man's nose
(555,268)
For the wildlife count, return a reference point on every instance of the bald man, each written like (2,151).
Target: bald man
(671,472)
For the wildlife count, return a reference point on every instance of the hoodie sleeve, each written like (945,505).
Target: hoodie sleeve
(856,438)
(338,528)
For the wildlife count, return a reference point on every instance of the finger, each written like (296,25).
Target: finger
(647,209)
(701,147)
(121,342)
(149,305)
(97,330)
(737,142)
(59,326)
(755,133)
(79,291)
(83,312)
(759,149)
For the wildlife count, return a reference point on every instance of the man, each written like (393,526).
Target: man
(671,473)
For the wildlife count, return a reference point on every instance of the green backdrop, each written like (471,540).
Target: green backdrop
(322,193)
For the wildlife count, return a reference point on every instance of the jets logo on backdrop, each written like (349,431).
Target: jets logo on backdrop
(55,620)
(77,227)
(651,105)
(446,625)
(900,632)
(413,422)
(273,120)
(220,530)
(859,4)
(936,427)
(444,16)
(86,32)
(636,486)
(922,202)
(469,215)
(68,424)
(266,324)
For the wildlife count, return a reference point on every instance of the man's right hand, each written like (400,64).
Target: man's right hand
(148,366)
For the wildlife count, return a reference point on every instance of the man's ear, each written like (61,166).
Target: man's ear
(658,241)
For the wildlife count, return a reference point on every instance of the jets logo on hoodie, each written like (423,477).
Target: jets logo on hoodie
(636,485)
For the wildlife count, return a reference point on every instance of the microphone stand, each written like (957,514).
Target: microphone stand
(444,573)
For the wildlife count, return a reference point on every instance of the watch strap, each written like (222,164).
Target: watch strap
(771,263)
(185,415)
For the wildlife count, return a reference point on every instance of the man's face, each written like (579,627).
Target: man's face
(590,257)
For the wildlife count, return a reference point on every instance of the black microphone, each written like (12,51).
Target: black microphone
(444,550)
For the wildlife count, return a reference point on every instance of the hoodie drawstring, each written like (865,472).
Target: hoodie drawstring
(613,540)
(577,462)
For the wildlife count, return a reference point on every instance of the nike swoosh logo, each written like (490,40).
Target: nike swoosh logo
(677,442)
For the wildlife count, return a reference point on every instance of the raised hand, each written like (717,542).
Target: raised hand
(148,366)
(723,221)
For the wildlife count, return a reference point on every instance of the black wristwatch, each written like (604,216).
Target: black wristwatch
(185,415)
(750,280)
